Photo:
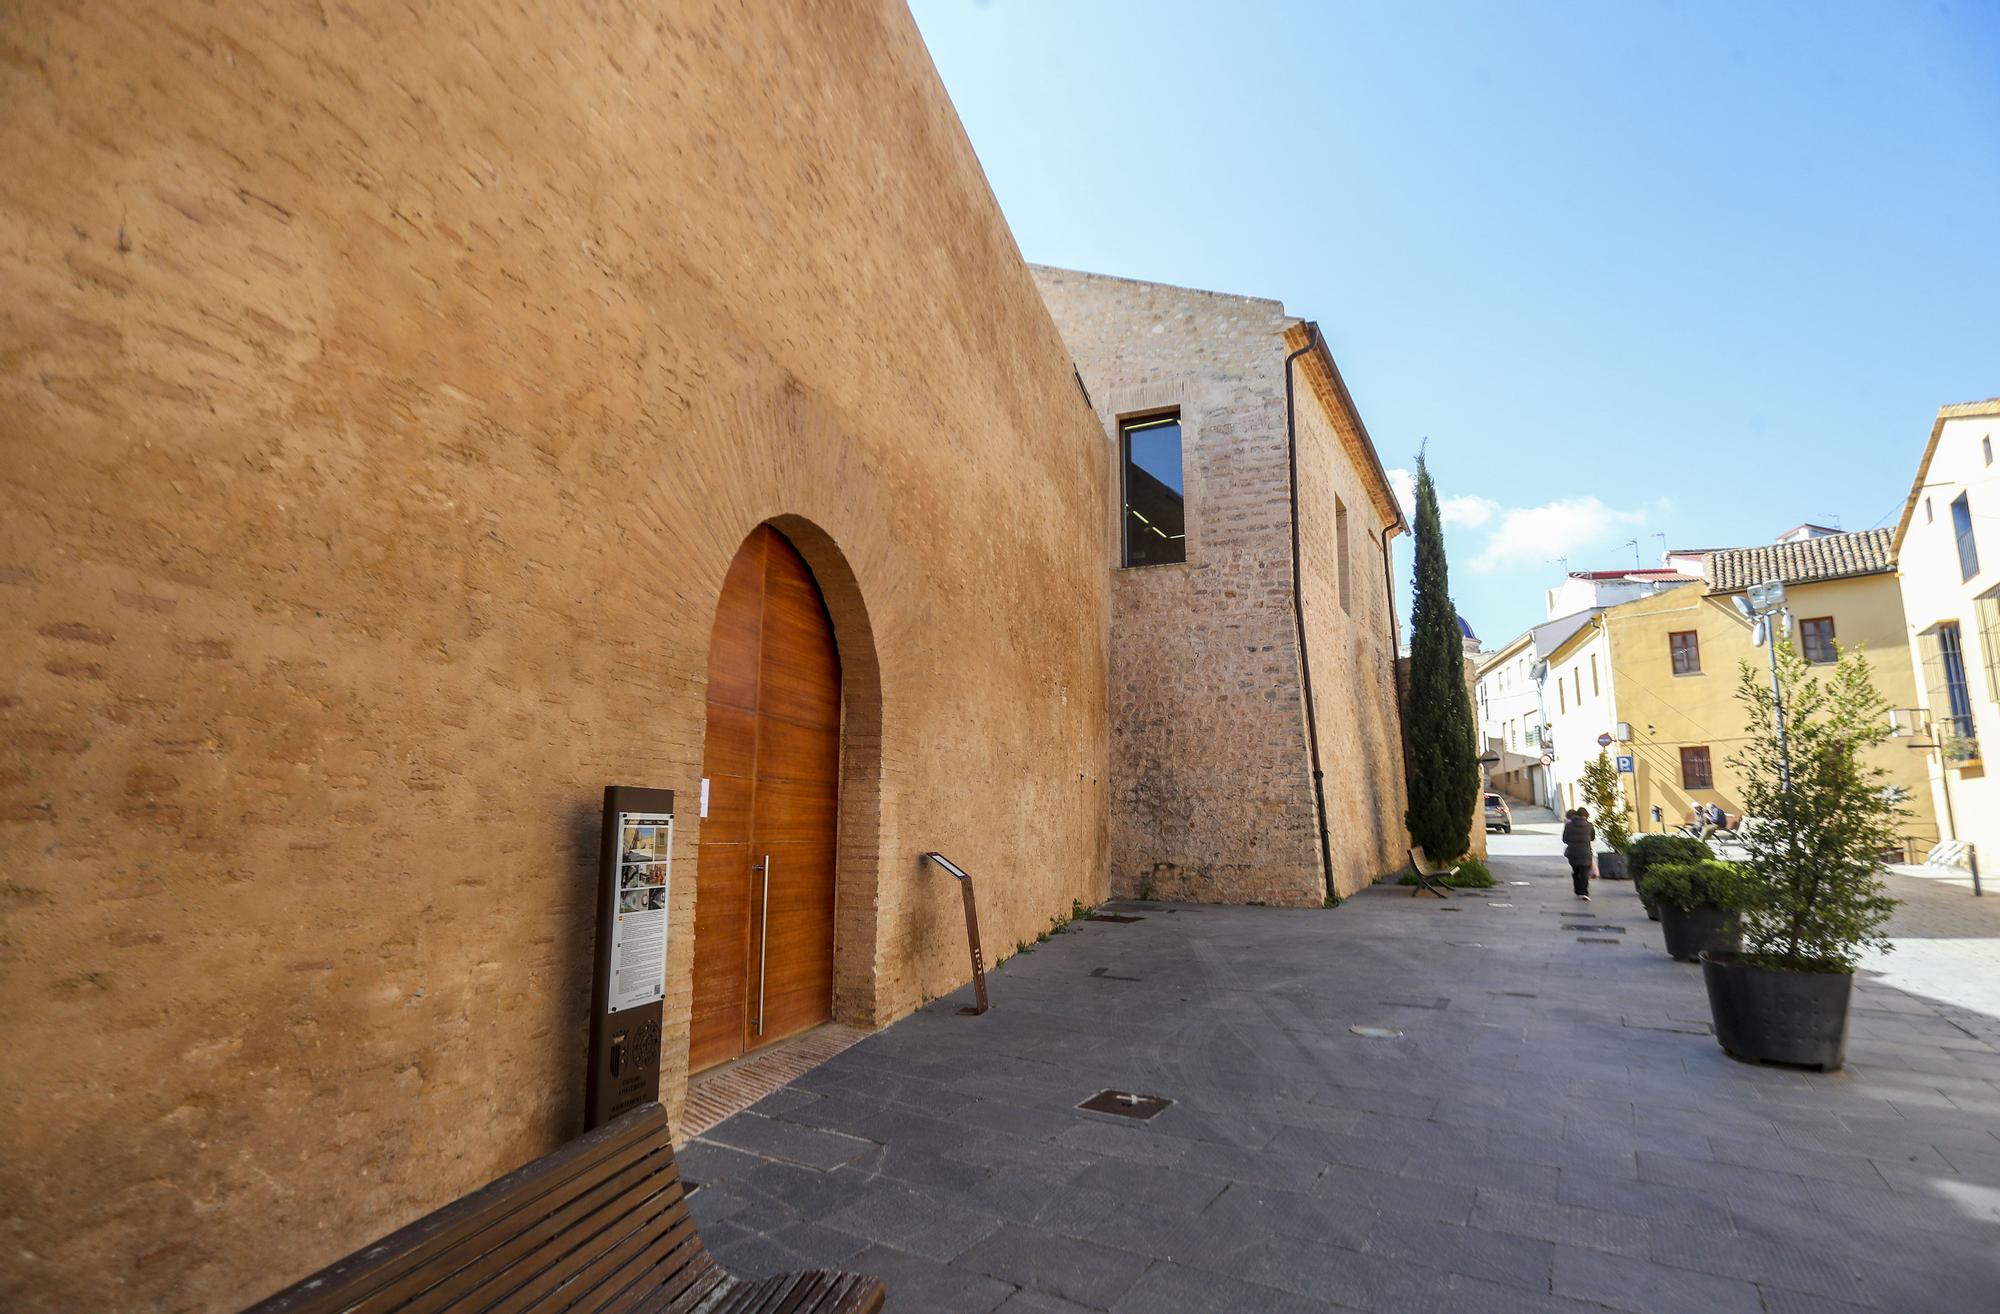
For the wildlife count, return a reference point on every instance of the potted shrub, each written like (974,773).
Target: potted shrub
(1607,809)
(1700,905)
(1648,851)
(1815,900)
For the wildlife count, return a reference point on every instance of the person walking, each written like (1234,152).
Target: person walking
(1578,836)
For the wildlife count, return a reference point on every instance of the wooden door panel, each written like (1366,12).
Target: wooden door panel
(772,756)
(722,942)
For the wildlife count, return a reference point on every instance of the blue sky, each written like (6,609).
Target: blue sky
(1700,270)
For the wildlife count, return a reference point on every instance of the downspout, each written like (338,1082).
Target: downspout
(1299,613)
(1389,589)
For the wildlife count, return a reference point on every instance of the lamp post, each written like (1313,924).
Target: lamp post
(1764,608)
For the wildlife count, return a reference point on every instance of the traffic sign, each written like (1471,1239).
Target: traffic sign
(1604,741)
(1625,763)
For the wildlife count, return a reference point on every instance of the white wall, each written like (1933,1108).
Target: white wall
(1580,711)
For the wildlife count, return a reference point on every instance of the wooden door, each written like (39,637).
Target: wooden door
(772,757)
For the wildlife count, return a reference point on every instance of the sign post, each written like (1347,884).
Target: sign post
(629,983)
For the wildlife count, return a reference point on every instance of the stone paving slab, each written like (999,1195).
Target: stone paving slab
(1554,1129)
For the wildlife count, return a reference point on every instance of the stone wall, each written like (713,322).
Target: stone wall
(1211,783)
(387,393)
(1350,635)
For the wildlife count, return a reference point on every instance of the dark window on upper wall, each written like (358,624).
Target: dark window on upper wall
(1816,637)
(1684,646)
(1155,528)
(1696,772)
(1340,554)
(1961,525)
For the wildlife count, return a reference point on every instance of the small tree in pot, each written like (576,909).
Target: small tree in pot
(1607,809)
(1823,819)
(1700,905)
(1648,851)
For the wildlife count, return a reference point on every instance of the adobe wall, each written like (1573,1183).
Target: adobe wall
(387,393)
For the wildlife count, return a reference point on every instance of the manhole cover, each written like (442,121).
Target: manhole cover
(1598,939)
(1375,1033)
(1125,1104)
(1517,994)
(1585,926)
(1499,905)
(1416,1003)
(1112,917)
(1448,909)
(1465,944)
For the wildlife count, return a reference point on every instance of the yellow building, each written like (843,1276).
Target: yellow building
(1674,670)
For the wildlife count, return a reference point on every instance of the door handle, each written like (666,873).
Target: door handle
(763,937)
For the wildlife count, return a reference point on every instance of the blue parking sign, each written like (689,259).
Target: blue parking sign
(1625,763)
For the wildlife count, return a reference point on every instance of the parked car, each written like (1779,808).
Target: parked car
(1499,816)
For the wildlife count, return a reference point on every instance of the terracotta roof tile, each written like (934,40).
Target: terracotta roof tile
(1836,556)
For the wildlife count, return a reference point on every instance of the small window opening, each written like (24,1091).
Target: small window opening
(1155,519)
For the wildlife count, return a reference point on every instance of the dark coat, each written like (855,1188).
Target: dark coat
(1577,837)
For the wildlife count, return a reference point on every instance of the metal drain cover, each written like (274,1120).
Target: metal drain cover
(1598,939)
(1113,917)
(1580,926)
(1125,1104)
(1375,1033)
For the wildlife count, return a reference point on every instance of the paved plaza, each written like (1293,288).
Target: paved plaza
(1552,1129)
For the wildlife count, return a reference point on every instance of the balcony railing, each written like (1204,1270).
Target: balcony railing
(1958,740)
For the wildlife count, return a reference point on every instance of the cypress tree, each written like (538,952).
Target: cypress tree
(1440,751)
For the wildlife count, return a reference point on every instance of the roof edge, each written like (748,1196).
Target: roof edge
(1953,411)
(1331,389)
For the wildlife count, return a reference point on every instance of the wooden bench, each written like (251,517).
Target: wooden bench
(600,1225)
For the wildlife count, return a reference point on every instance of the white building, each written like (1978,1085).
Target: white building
(1948,566)
(1508,702)
(1582,590)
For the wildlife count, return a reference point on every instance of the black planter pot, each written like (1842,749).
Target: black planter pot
(1652,909)
(1611,866)
(1765,1015)
(1691,930)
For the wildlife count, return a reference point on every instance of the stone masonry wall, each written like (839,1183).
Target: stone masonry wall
(1349,637)
(1211,784)
(387,390)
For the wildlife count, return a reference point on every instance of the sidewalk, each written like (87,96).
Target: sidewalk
(1554,1128)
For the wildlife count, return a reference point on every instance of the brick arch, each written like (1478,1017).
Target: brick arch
(858,864)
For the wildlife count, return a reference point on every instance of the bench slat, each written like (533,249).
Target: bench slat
(600,1226)
(606,1191)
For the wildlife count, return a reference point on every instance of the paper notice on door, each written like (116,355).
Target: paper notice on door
(639,925)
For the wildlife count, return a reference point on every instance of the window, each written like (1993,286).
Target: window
(1961,525)
(1594,691)
(1684,646)
(1562,696)
(1989,639)
(1816,636)
(1696,773)
(1155,528)
(1986,447)
(1950,699)
(1576,674)
(1340,553)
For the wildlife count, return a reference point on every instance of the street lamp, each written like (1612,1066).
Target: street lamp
(1764,608)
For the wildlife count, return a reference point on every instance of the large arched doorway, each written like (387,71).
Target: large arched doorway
(764,881)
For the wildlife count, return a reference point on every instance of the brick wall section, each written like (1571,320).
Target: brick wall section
(1211,783)
(387,393)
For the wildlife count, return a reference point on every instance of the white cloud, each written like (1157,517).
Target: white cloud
(1532,536)
(1470,510)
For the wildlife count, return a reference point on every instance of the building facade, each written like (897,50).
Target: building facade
(417,421)
(1212,773)
(1669,666)
(1948,561)
(1508,701)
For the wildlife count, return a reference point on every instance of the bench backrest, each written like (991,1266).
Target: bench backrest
(603,1221)
(1949,853)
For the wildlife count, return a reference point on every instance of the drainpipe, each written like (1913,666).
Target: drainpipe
(1299,611)
(1389,588)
